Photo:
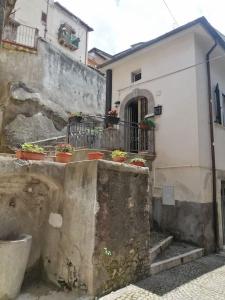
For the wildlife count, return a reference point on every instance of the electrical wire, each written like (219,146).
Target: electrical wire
(172,73)
(170,12)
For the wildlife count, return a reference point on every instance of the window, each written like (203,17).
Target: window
(44,17)
(218,118)
(135,76)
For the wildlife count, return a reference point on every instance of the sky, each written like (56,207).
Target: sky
(118,24)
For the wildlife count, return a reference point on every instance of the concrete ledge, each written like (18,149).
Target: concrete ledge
(192,255)
(176,261)
(158,249)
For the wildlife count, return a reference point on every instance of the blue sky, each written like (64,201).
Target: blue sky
(119,23)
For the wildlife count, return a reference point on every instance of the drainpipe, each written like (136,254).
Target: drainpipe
(86,49)
(212,146)
(2,18)
(46,24)
(108,105)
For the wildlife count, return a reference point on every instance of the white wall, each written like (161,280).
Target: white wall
(58,17)
(29,13)
(176,127)
(177,145)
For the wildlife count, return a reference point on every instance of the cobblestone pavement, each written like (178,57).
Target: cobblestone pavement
(40,291)
(203,279)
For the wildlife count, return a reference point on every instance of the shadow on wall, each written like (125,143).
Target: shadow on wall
(26,202)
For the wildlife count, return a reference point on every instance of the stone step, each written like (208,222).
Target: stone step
(158,249)
(175,256)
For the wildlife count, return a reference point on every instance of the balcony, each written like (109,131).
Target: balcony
(67,37)
(21,35)
(95,132)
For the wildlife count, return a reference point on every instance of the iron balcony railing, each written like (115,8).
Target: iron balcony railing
(95,133)
(22,35)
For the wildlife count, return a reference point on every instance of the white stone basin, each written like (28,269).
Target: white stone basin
(14,256)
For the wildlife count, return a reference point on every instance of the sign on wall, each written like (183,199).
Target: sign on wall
(168,195)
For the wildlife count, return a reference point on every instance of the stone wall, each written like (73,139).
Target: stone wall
(89,221)
(37,91)
(187,221)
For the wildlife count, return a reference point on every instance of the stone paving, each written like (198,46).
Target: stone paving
(203,279)
(41,291)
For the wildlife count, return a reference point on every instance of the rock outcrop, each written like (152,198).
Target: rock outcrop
(26,116)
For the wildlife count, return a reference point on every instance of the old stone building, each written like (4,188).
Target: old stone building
(54,23)
(168,79)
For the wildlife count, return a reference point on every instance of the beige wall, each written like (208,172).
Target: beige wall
(182,134)
(177,146)
(217,76)
(29,13)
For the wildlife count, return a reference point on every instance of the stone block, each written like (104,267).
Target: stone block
(192,255)
(165,265)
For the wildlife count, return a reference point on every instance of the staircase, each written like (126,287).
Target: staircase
(165,253)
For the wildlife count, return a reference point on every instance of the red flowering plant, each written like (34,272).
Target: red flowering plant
(113,113)
(64,148)
(112,117)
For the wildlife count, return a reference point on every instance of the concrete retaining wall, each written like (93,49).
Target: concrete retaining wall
(38,91)
(89,221)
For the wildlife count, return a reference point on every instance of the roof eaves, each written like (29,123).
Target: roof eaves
(203,21)
(100,52)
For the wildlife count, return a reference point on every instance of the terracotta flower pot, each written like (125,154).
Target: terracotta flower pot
(18,154)
(143,126)
(112,120)
(63,157)
(29,155)
(95,155)
(138,163)
(119,159)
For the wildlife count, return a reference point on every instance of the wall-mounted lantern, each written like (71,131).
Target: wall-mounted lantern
(158,110)
(117,104)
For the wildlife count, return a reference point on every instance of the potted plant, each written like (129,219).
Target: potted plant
(95,155)
(147,124)
(64,153)
(30,151)
(142,125)
(112,117)
(119,156)
(137,161)
(76,117)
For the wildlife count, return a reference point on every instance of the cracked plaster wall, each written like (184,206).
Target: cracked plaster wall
(73,212)
(37,91)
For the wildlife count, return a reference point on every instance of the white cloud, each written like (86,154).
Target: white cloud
(120,23)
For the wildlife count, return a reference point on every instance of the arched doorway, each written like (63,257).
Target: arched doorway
(133,109)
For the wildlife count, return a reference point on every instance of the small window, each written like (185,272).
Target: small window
(135,76)
(217,105)
(44,17)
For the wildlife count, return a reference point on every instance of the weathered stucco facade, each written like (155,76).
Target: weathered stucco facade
(56,15)
(89,221)
(39,90)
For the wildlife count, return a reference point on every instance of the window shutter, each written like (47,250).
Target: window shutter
(217,105)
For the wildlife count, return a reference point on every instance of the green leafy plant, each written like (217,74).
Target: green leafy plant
(138,159)
(95,130)
(76,114)
(107,252)
(118,153)
(64,148)
(28,147)
(150,122)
